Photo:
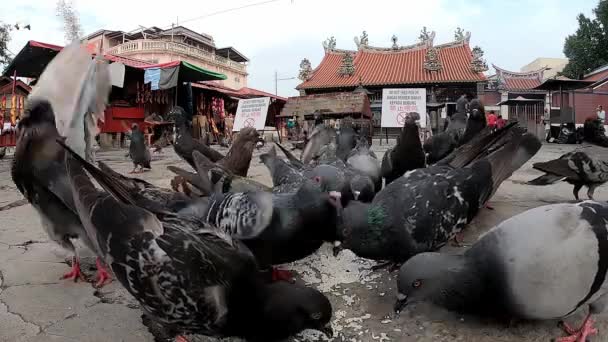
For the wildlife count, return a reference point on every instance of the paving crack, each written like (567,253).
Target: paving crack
(20,316)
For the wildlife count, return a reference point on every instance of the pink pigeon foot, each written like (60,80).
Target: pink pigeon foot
(578,335)
(281,275)
(102,274)
(75,272)
(181,338)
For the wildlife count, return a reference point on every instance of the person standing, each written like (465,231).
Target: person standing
(500,122)
(491,119)
(601,114)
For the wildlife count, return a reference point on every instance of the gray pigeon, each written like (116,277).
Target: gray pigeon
(190,276)
(285,178)
(38,169)
(364,160)
(577,168)
(139,153)
(426,208)
(545,263)
(346,140)
(317,145)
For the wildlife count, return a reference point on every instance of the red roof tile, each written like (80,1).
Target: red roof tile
(395,67)
(511,83)
(597,76)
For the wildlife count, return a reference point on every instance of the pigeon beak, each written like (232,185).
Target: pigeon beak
(327,331)
(400,303)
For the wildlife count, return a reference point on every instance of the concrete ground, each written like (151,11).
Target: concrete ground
(36,306)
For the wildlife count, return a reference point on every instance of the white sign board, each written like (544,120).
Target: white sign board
(396,103)
(251,113)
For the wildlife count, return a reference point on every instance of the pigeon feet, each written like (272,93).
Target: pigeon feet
(102,274)
(578,335)
(75,272)
(489,207)
(282,275)
(181,338)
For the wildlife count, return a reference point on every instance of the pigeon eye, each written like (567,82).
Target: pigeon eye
(416,284)
(316,315)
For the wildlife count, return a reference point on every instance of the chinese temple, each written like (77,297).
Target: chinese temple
(446,70)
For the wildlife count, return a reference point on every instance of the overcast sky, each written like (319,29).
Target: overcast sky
(278,34)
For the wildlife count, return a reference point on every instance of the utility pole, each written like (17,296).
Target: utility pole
(276,81)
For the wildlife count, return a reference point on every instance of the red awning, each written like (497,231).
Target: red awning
(219,89)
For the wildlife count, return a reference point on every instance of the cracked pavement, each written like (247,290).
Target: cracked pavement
(36,306)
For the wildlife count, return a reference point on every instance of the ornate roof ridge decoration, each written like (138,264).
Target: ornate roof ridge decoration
(478,64)
(363,42)
(305,70)
(431,59)
(425,44)
(502,73)
(347,68)
(329,44)
(341,51)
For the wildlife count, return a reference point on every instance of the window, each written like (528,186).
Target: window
(237,79)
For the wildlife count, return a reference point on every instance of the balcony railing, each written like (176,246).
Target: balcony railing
(143,45)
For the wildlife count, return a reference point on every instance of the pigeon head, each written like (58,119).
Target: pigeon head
(246,139)
(134,127)
(411,118)
(293,308)
(476,109)
(362,188)
(37,111)
(434,277)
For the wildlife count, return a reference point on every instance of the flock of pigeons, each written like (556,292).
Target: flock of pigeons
(201,257)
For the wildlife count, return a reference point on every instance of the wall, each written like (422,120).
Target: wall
(585,104)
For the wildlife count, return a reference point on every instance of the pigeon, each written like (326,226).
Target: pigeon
(293,160)
(139,153)
(365,161)
(476,121)
(188,275)
(185,144)
(207,169)
(321,138)
(2,152)
(425,208)
(238,158)
(577,168)
(37,168)
(440,145)
(545,263)
(346,140)
(407,154)
(293,225)
(285,178)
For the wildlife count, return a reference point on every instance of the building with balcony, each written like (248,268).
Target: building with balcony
(156,45)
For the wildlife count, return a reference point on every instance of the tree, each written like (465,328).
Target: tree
(71,23)
(587,49)
(5,37)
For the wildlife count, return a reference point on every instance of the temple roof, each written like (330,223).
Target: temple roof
(397,65)
(513,80)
